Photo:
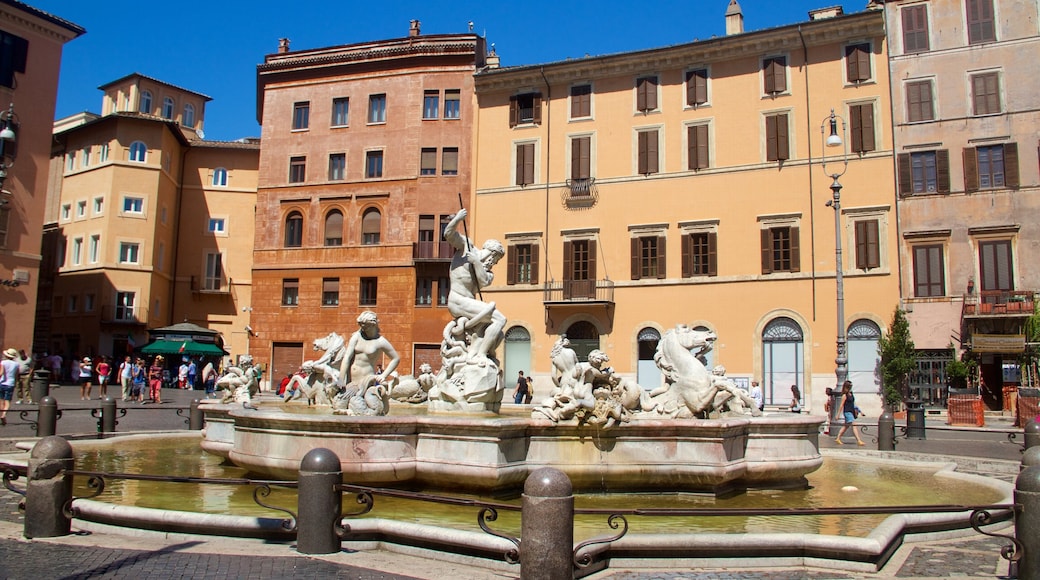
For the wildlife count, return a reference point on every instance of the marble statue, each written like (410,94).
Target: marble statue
(318,380)
(590,392)
(240,383)
(408,389)
(363,388)
(469,378)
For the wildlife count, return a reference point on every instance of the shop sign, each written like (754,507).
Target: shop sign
(998,343)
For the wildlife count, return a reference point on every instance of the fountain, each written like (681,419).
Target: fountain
(699,432)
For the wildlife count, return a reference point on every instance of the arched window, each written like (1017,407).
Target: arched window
(371,221)
(188,118)
(294,230)
(145,105)
(334,228)
(863,356)
(782,353)
(648,375)
(517,355)
(584,338)
(707,358)
(220,177)
(138,152)
(167,108)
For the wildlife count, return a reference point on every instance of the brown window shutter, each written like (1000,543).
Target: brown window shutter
(592,260)
(866,117)
(514,111)
(713,241)
(576,158)
(906,180)
(767,252)
(641,94)
(942,171)
(534,263)
(771,138)
(528,168)
(861,245)
(796,259)
(971,170)
(652,152)
(873,244)
(537,98)
(867,254)
(511,265)
(642,138)
(782,144)
(1011,178)
(636,259)
(662,258)
(856,124)
(651,93)
(857,60)
(697,137)
(568,261)
(581,157)
(775,77)
(696,87)
(687,242)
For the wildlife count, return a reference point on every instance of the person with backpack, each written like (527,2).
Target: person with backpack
(10,368)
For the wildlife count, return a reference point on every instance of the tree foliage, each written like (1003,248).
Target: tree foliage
(898,360)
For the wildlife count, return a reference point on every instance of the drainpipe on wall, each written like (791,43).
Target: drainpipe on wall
(812,202)
(177,235)
(548,140)
(895,163)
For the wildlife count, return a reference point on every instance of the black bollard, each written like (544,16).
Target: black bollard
(886,428)
(40,384)
(1032,434)
(1027,521)
(47,417)
(49,489)
(107,422)
(319,503)
(547,526)
(196,417)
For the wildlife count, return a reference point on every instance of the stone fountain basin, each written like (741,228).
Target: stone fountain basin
(495,453)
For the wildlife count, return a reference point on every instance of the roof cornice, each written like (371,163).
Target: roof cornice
(371,52)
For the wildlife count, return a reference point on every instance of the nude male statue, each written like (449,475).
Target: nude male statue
(471,271)
(364,350)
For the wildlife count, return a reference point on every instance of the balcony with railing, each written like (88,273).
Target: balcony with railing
(211,285)
(432,251)
(580,192)
(116,314)
(999,303)
(579,291)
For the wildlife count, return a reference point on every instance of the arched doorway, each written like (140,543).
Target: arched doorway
(782,355)
(647,374)
(584,338)
(862,341)
(518,356)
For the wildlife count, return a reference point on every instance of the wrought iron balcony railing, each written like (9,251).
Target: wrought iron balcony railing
(434,251)
(579,291)
(999,303)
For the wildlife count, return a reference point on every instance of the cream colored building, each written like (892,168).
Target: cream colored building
(683,185)
(150,224)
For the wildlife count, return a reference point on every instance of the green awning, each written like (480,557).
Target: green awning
(188,347)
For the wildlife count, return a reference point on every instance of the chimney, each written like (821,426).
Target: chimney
(413,28)
(734,18)
(492,60)
(283,45)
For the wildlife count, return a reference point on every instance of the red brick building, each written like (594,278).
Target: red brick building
(365,149)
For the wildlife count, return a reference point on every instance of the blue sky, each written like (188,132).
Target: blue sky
(213,47)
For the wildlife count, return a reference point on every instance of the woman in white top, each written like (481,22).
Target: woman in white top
(86,378)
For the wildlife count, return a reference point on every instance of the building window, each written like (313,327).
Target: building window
(133,205)
(581,101)
(330,291)
(928,271)
(290,292)
(73,303)
(301,116)
(995,265)
(12,58)
(868,254)
(780,251)
(525,109)
(428,161)
(648,157)
(861,121)
(524,164)
(81,209)
(778,146)
(915,28)
(648,257)
(167,108)
(919,101)
(70,161)
(220,177)
(980,21)
(188,117)
(216,226)
(145,103)
(373,164)
(696,87)
(431,104)
(88,303)
(297,169)
(66,211)
(103,153)
(774,75)
(646,94)
(985,93)
(340,112)
(371,222)
(214,276)
(924,172)
(129,253)
(697,147)
(337,166)
(368,292)
(452,102)
(138,152)
(579,269)
(377,108)
(857,62)
(581,157)
(522,264)
(991,167)
(450,161)
(94,249)
(125,308)
(86,157)
(423,291)
(294,230)
(443,289)
(700,251)
(334,228)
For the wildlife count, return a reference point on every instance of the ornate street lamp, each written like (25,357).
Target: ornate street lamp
(831,139)
(8,135)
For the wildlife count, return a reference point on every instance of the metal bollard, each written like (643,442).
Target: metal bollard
(886,427)
(320,504)
(1032,433)
(47,417)
(49,489)
(196,417)
(40,384)
(1027,521)
(107,422)
(547,526)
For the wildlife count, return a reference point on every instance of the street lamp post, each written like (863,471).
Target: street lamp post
(831,138)
(8,134)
